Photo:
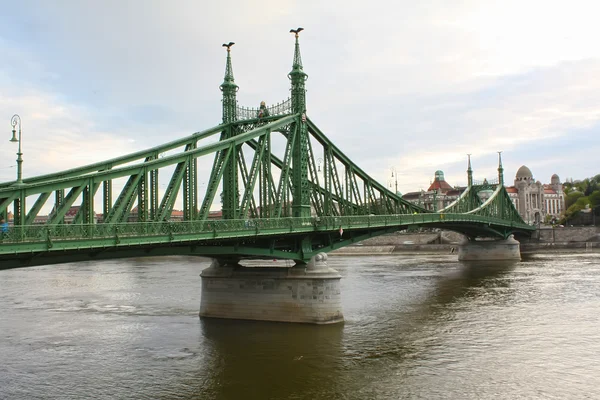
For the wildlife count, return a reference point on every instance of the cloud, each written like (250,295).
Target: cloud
(414,85)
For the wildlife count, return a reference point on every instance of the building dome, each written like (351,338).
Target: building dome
(439,183)
(555,180)
(524,173)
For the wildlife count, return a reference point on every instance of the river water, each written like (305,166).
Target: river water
(417,327)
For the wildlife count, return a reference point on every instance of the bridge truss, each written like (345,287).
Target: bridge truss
(284,189)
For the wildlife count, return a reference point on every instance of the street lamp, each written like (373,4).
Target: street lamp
(395,176)
(14,121)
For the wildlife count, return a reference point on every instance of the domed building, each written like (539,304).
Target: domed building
(532,199)
(439,194)
(535,200)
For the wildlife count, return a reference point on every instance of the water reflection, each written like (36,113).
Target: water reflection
(276,360)
(472,274)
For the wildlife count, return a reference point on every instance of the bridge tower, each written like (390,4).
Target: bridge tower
(301,194)
(230,196)
(490,250)
(308,292)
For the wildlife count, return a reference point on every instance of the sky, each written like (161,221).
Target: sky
(397,85)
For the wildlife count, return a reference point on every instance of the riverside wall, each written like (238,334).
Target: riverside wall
(544,239)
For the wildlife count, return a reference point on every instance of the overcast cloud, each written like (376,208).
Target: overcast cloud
(404,84)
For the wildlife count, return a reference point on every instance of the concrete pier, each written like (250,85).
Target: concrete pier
(308,293)
(489,250)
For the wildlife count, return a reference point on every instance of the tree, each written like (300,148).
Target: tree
(572,198)
(574,209)
(595,198)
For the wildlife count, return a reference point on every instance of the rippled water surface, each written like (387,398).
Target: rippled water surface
(424,327)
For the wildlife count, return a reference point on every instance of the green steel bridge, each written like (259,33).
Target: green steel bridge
(266,168)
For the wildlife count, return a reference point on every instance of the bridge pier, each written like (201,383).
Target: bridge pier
(489,250)
(306,293)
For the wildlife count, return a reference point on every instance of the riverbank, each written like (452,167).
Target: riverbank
(559,240)
(526,248)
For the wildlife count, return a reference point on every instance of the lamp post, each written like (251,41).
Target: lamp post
(395,176)
(14,121)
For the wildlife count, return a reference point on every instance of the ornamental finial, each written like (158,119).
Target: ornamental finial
(297,66)
(228,68)
(296,31)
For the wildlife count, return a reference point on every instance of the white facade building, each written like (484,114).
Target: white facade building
(535,200)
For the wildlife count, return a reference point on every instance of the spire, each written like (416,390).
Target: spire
(301,142)
(297,57)
(228,81)
(469,173)
(500,169)
(298,77)
(229,89)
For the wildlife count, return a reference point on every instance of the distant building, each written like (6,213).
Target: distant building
(70,216)
(440,194)
(533,200)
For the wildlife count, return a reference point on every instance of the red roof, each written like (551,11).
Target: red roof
(512,189)
(442,186)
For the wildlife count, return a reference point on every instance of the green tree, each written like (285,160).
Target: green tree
(572,198)
(594,198)
(574,209)
(595,203)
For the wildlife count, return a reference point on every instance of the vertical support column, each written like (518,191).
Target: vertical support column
(230,172)
(59,198)
(106,198)
(265,187)
(19,209)
(194,186)
(349,209)
(190,189)
(154,195)
(301,197)
(143,197)
(327,181)
(85,205)
(88,203)
(231,202)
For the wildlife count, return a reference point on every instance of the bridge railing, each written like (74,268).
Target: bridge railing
(486,182)
(219,228)
(282,108)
